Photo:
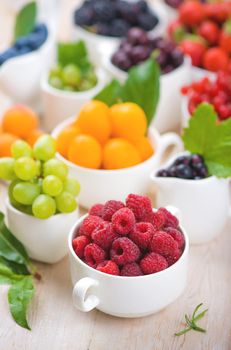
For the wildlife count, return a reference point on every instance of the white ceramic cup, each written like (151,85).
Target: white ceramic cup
(58,104)
(125,296)
(98,186)
(204,204)
(168,114)
(100,46)
(44,240)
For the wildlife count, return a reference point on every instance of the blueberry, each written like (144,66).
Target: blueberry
(196,159)
(162,59)
(147,21)
(184,171)
(121,60)
(139,54)
(119,28)
(177,57)
(143,6)
(84,16)
(182,160)
(104,11)
(172,171)
(137,36)
(162,173)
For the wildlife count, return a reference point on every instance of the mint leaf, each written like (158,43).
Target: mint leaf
(142,87)
(210,139)
(7,276)
(25,21)
(20,295)
(111,93)
(73,53)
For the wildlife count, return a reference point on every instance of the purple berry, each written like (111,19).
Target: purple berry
(137,36)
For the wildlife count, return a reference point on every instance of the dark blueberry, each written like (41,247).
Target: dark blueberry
(172,171)
(104,11)
(196,158)
(128,11)
(177,57)
(121,60)
(127,49)
(119,28)
(184,171)
(163,173)
(84,16)
(143,6)
(182,160)
(139,54)
(162,59)
(137,36)
(156,42)
(147,21)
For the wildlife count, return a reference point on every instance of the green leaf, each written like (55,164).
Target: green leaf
(111,93)
(20,295)
(210,139)
(75,53)
(26,19)
(7,276)
(10,248)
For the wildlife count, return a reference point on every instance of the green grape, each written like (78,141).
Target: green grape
(44,148)
(56,82)
(85,85)
(26,192)
(38,167)
(71,75)
(56,71)
(72,186)
(25,168)
(21,149)
(52,185)
(10,193)
(43,207)
(65,202)
(55,167)
(68,88)
(7,169)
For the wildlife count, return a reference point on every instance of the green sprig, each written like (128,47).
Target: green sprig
(191,322)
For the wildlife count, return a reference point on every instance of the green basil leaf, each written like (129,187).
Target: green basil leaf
(7,276)
(111,94)
(10,248)
(143,87)
(20,295)
(75,53)
(26,19)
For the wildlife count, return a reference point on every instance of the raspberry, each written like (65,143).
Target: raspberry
(109,267)
(110,208)
(104,235)
(163,244)
(123,221)
(170,220)
(97,210)
(94,254)
(131,269)
(176,235)
(124,251)
(89,225)
(152,263)
(79,243)
(141,207)
(142,234)
(171,259)
(158,220)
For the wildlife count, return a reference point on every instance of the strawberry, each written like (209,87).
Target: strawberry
(210,31)
(225,37)
(176,30)
(194,49)
(191,13)
(218,12)
(215,59)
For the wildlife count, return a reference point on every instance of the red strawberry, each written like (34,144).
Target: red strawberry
(225,37)
(209,31)
(218,12)
(194,49)
(215,59)
(176,31)
(191,13)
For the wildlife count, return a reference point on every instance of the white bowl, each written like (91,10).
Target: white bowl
(125,296)
(98,186)
(58,104)
(44,240)
(100,46)
(204,204)
(168,114)
(20,76)
(171,11)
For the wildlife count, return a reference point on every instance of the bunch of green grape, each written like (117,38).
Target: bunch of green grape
(40,185)
(72,78)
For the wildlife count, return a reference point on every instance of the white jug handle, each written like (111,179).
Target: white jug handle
(81,300)
(166,141)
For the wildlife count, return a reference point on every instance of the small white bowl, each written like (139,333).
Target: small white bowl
(204,204)
(100,46)
(98,186)
(20,76)
(125,296)
(168,114)
(58,104)
(44,240)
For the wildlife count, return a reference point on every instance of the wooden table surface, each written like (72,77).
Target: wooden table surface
(57,325)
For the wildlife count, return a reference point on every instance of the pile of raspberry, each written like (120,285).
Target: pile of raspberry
(217,92)
(129,239)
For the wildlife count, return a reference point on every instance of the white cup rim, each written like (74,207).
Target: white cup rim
(127,278)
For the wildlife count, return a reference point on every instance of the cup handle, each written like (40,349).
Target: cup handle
(167,140)
(174,211)
(80,299)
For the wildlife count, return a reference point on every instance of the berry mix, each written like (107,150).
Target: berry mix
(139,46)
(129,239)
(26,44)
(203,31)
(216,92)
(191,167)
(114,17)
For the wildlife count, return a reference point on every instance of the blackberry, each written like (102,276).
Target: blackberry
(119,28)
(147,21)
(184,171)
(104,11)
(84,16)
